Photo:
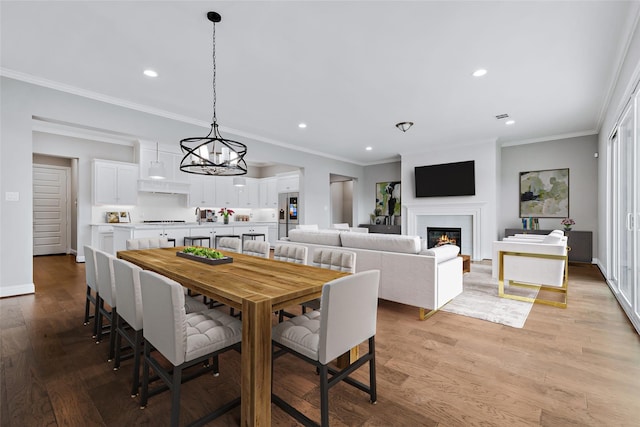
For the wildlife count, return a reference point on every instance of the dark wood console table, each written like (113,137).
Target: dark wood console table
(579,241)
(381,228)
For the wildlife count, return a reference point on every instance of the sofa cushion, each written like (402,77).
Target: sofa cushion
(381,242)
(317,237)
(443,253)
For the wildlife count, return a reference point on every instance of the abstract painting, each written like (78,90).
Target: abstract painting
(544,194)
(388,199)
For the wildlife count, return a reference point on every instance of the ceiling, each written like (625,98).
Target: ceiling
(350,70)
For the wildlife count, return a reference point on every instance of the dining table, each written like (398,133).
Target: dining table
(258,287)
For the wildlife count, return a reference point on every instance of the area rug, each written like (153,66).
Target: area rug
(479,299)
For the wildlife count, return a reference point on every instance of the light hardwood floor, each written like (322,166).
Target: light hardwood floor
(576,366)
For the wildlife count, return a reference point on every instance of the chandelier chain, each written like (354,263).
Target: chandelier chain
(214,73)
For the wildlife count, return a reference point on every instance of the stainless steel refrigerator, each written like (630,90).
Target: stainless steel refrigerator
(288,214)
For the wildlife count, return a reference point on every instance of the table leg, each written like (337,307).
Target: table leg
(348,358)
(256,363)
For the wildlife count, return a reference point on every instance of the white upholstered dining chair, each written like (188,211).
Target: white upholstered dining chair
(290,253)
(93,295)
(331,259)
(257,248)
(148,243)
(184,340)
(230,244)
(346,319)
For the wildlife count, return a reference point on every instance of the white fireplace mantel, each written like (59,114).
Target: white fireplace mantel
(473,209)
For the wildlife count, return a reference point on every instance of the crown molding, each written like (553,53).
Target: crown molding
(549,138)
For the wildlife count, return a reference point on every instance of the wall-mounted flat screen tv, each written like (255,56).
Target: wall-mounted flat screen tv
(447,179)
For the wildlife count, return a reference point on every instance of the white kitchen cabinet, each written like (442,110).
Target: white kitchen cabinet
(114,183)
(249,195)
(240,230)
(211,231)
(288,183)
(178,233)
(269,193)
(226,194)
(202,191)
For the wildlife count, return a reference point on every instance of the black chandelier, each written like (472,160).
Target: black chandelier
(213,154)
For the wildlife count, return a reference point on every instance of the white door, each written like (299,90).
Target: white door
(50,209)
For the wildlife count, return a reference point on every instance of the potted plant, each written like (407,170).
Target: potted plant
(567,222)
(226,213)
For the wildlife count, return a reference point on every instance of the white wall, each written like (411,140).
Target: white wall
(21,101)
(573,153)
(486,171)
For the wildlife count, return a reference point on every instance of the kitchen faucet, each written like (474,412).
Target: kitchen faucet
(198,216)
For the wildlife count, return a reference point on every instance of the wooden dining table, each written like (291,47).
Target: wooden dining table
(256,286)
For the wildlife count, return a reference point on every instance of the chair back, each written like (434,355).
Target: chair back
(231,244)
(164,319)
(341,226)
(106,282)
(128,294)
(349,307)
(256,248)
(90,267)
(290,253)
(147,243)
(334,260)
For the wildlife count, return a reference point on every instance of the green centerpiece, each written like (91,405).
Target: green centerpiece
(205,255)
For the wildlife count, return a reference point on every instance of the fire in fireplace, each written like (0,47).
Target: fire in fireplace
(438,236)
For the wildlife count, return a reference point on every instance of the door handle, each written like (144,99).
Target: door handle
(629,221)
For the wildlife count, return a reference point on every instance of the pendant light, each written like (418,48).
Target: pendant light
(404,126)
(213,154)
(156,170)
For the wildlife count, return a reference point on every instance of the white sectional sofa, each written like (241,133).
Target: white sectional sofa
(408,275)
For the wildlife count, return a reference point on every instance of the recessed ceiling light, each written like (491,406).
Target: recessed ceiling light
(302,125)
(150,73)
(369,148)
(509,122)
(479,72)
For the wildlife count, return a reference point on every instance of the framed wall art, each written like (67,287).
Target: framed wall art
(388,199)
(544,194)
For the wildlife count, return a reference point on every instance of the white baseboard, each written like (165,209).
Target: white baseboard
(11,291)
(79,258)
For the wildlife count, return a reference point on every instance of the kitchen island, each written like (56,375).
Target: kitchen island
(177,231)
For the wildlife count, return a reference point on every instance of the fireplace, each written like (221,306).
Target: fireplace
(438,236)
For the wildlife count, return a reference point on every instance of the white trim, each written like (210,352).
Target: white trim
(472,209)
(78,131)
(550,138)
(11,291)
(79,258)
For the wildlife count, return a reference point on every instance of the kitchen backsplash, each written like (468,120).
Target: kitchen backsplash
(158,206)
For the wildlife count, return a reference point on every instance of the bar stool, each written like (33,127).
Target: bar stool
(220,236)
(252,236)
(193,239)
(172,240)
